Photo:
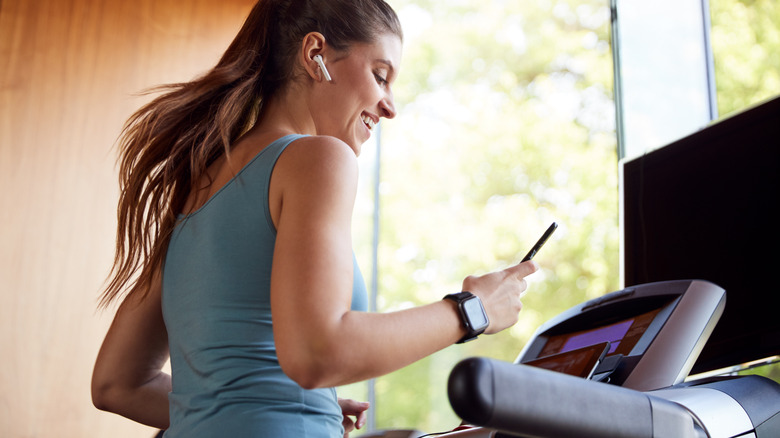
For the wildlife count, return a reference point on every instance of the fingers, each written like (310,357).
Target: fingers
(361,419)
(348,425)
(353,408)
(523,286)
(500,293)
(524,269)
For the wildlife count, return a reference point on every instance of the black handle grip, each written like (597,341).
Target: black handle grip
(530,401)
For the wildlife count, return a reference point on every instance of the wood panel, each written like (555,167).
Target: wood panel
(69,74)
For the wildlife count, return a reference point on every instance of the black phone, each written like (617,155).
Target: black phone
(540,242)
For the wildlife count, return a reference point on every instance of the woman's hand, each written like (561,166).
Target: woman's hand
(500,293)
(352,408)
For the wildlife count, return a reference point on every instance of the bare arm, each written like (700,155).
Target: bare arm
(128,378)
(320,342)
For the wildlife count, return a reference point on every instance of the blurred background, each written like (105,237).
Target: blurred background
(506,122)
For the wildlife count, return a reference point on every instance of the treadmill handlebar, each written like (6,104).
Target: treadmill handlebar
(529,401)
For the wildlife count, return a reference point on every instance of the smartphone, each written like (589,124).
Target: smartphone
(540,242)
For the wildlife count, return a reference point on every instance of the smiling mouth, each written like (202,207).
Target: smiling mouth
(368,121)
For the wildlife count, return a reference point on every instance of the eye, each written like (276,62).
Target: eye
(380,79)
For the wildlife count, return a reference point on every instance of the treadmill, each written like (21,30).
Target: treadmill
(626,364)
(698,224)
(616,366)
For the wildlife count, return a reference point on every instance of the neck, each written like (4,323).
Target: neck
(289,113)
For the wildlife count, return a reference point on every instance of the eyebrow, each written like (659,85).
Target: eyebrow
(388,63)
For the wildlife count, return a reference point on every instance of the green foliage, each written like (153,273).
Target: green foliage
(771,371)
(746,44)
(506,123)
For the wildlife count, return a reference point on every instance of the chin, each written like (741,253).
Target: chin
(357,142)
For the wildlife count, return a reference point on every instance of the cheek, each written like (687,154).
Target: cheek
(367,90)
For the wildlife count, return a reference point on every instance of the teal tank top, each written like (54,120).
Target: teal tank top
(216,304)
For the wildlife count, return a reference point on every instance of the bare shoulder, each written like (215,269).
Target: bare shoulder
(318,159)
(314,177)
(321,148)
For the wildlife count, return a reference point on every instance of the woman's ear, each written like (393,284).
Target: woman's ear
(314,44)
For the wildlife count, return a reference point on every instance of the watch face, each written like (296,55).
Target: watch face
(476,314)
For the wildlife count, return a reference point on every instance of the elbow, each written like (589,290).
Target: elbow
(103,394)
(312,372)
(308,381)
(316,358)
(306,376)
(100,399)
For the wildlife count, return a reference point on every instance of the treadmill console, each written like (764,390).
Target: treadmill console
(654,333)
(615,367)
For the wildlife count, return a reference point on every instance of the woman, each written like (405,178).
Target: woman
(234,239)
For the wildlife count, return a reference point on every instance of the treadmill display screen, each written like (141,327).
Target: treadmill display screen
(580,362)
(622,336)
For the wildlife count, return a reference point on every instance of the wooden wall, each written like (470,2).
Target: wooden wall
(69,71)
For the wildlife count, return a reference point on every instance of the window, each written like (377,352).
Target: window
(505,123)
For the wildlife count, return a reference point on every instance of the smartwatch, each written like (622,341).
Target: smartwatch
(472,313)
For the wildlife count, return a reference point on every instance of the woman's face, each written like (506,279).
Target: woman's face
(359,94)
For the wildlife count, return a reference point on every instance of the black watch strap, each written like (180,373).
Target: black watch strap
(472,313)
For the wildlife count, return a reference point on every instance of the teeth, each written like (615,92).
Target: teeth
(368,121)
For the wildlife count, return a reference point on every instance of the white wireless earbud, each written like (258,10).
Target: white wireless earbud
(321,63)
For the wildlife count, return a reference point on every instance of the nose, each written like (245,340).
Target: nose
(387,107)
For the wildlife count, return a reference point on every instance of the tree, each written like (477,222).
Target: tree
(506,123)
(746,44)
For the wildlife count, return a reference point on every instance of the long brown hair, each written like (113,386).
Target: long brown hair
(166,146)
